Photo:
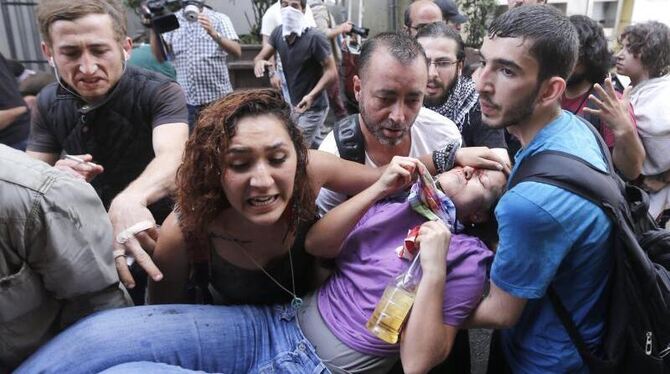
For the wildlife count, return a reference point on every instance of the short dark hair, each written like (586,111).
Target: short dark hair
(554,40)
(593,52)
(50,11)
(404,48)
(651,41)
(442,30)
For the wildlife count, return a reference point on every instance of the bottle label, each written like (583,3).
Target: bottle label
(389,316)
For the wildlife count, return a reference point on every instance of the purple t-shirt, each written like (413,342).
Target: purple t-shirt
(368,263)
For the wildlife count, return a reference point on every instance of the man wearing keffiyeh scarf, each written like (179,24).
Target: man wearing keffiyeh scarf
(448,92)
(461,97)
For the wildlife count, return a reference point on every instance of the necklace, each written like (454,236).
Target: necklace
(296,302)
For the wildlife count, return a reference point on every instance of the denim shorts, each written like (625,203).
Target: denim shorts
(181,338)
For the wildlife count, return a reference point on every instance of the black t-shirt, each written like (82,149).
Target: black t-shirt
(10,97)
(117,132)
(301,62)
(477,134)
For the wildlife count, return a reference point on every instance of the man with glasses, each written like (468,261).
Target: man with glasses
(450,93)
(421,13)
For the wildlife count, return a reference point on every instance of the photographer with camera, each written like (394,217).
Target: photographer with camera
(200,47)
(123,129)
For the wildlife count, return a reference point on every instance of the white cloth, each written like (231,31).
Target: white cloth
(430,131)
(652,113)
(293,21)
(272,18)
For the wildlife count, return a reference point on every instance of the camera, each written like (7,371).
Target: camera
(358,30)
(159,14)
(192,9)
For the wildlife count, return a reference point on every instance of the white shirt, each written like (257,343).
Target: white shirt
(272,18)
(652,114)
(430,131)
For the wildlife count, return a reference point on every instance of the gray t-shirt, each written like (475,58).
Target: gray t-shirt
(302,63)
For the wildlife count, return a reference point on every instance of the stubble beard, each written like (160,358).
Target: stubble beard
(439,100)
(517,114)
(376,129)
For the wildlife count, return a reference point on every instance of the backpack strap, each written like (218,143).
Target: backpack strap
(566,319)
(349,139)
(551,167)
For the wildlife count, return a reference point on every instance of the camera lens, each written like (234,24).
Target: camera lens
(191,12)
(362,31)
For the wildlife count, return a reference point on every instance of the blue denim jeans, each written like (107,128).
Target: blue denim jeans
(159,338)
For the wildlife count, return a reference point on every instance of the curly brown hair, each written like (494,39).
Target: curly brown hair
(651,41)
(200,196)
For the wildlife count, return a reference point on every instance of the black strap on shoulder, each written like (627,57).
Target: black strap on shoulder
(574,174)
(349,139)
(587,356)
(570,173)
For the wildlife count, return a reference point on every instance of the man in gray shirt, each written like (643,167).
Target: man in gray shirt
(56,262)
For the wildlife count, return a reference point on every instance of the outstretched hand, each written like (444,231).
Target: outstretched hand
(612,110)
(125,214)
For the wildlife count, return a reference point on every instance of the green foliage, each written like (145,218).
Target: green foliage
(259,7)
(132,4)
(480,13)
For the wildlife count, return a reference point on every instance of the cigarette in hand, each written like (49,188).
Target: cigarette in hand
(79,160)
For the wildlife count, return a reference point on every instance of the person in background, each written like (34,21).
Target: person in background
(420,13)
(449,92)
(645,59)
(308,65)
(271,19)
(609,111)
(201,47)
(143,57)
(14,113)
(326,23)
(451,14)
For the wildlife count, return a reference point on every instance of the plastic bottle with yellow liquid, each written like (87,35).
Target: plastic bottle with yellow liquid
(392,310)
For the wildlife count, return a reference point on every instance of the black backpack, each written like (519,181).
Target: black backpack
(349,139)
(637,325)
